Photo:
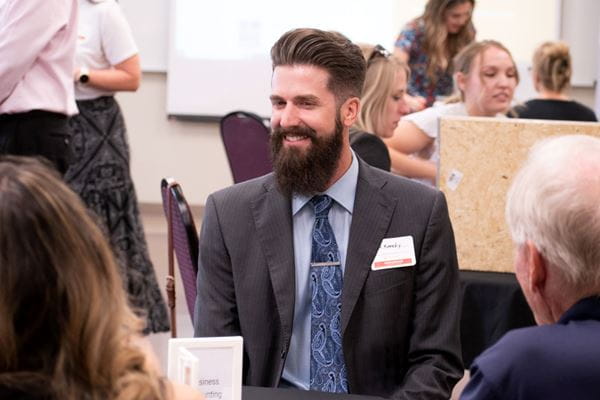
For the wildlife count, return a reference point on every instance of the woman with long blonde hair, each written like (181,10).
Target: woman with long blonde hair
(382,105)
(486,77)
(66,331)
(429,43)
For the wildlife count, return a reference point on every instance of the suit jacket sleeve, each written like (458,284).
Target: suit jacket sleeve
(216,311)
(435,363)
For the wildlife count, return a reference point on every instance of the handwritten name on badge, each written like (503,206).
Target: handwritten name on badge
(395,252)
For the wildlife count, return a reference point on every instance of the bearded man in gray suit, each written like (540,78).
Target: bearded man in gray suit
(339,276)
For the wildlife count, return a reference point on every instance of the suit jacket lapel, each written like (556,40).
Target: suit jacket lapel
(273,218)
(370,220)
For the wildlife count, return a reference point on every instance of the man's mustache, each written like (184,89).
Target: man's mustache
(279,133)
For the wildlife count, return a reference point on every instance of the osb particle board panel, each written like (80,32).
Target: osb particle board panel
(478,159)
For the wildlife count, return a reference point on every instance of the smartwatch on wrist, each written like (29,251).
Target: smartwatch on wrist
(84,75)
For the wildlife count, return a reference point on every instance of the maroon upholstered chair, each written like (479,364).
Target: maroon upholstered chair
(183,241)
(246,140)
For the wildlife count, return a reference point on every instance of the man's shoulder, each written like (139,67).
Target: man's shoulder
(550,361)
(245,191)
(411,199)
(395,185)
(522,348)
(515,342)
(515,353)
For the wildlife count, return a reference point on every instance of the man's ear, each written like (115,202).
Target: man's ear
(349,111)
(537,269)
(461,81)
(540,293)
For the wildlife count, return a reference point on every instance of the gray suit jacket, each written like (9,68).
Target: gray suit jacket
(400,326)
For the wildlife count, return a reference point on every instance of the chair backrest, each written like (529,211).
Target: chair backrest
(183,241)
(246,140)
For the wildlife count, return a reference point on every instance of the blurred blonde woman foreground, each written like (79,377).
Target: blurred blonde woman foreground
(485,77)
(66,331)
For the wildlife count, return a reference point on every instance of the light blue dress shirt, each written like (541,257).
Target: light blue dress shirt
(296,371)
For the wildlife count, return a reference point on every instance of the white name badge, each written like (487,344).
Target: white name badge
(395,252)
(210,365)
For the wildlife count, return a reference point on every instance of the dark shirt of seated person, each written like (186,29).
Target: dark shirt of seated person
(551,74)
(382,105)
(554,109)
(553,216)
(66,330)
(371,149)
(289,260)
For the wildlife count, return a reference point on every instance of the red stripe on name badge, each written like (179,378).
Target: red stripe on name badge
(392,263)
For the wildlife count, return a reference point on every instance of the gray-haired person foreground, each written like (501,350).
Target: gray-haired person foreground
(553,212)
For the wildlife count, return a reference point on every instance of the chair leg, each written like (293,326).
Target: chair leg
(171,303)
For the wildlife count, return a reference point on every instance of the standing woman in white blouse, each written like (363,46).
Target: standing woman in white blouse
(106,62)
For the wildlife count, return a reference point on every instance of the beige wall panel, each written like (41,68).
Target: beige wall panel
(478,159)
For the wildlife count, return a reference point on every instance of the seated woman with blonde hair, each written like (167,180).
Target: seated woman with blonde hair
(485,76)
(551,74)
(382,105)
(66,331)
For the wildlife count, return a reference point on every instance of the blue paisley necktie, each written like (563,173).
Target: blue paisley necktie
(327,367)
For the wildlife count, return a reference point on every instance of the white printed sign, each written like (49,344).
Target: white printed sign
(397,252)
(211,365)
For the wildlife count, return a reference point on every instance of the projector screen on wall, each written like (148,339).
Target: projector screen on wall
(219,52)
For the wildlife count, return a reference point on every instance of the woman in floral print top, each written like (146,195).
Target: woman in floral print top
(428,44)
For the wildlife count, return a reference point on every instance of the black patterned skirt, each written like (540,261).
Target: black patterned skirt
(99,173)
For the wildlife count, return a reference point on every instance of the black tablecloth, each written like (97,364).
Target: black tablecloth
(493,304)
(259,393)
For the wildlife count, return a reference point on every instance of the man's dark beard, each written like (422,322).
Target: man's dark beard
(306,171)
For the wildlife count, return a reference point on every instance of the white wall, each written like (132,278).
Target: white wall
(191,152)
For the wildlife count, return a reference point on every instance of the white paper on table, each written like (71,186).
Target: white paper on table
(211,365)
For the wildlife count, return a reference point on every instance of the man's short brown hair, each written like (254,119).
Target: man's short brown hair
(332,51)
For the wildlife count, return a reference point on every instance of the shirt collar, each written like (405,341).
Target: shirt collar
(588,308)
(343,191)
